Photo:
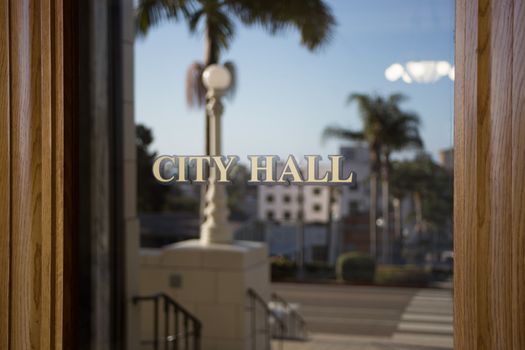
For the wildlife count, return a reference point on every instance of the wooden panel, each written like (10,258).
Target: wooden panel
(35,173)
(26,207)
(489,173)
(460,295)
(499,171)
(5,176)
(518,175)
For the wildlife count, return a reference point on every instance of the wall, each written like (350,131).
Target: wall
(131,221)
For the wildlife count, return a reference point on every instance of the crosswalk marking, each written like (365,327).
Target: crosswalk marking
(428,341)
(425,327)
(425,317)
(427,320)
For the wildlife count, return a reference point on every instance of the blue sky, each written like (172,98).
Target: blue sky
(286,94)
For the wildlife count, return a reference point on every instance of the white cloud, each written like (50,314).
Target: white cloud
(422,72)
(406,78)
(394,72)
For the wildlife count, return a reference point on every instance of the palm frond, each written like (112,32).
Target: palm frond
(396,98)
(335,132)
(195,90)
(386,127)
(359,98)
(230,66)
(194,19)
(220,28)
(402,131)
(219,31)
(312,18)
(365,105)
(150,13)
(408,118)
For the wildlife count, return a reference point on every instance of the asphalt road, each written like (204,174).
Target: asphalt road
(409,318)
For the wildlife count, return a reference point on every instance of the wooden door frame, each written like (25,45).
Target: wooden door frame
(62,257)
(39,174)
(489,175)
(39,177)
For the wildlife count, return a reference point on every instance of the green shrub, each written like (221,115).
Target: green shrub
(319,270)
(407,275)
(355,267)
(282,268)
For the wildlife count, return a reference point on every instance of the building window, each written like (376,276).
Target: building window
(316,207)
(286,215)
(269,215)
(269,198)
(286,198)
(317,191)
(299,215)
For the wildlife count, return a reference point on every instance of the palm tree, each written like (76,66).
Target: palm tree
(429,185)
(386,129)
(312,18)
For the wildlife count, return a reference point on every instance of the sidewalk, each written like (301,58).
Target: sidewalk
(319,341)
(371,318)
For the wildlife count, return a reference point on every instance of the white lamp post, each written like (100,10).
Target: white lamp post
(215,272)
(215,228)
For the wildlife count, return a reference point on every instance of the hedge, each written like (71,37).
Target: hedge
(355,267)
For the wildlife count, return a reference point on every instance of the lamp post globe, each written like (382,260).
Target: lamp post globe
(216,77)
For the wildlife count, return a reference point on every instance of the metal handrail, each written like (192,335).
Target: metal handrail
(270,315)
(181,336)
(296,325)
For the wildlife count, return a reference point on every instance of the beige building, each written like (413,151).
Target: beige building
(290,204)
(319,204)
(446,159)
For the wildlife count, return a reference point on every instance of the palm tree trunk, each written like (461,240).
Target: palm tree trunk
(329,226)
(210,57)
(419,213)
(375,157)
(385,205)
(397,223)
(300,236)
(373,215)
(397,217)
(386,236)
(418,208)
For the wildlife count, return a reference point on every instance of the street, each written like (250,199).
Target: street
(343,317)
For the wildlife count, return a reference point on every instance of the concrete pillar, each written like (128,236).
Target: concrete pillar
(211,281)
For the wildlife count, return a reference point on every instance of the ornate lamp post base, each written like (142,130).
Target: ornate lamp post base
(215,228)
(211,281)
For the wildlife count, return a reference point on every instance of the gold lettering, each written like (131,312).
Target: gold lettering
(313,162)
(291,169)
(336,172)
(267,167)
(223,170)
(199,167)
(182,169)
(156,169)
